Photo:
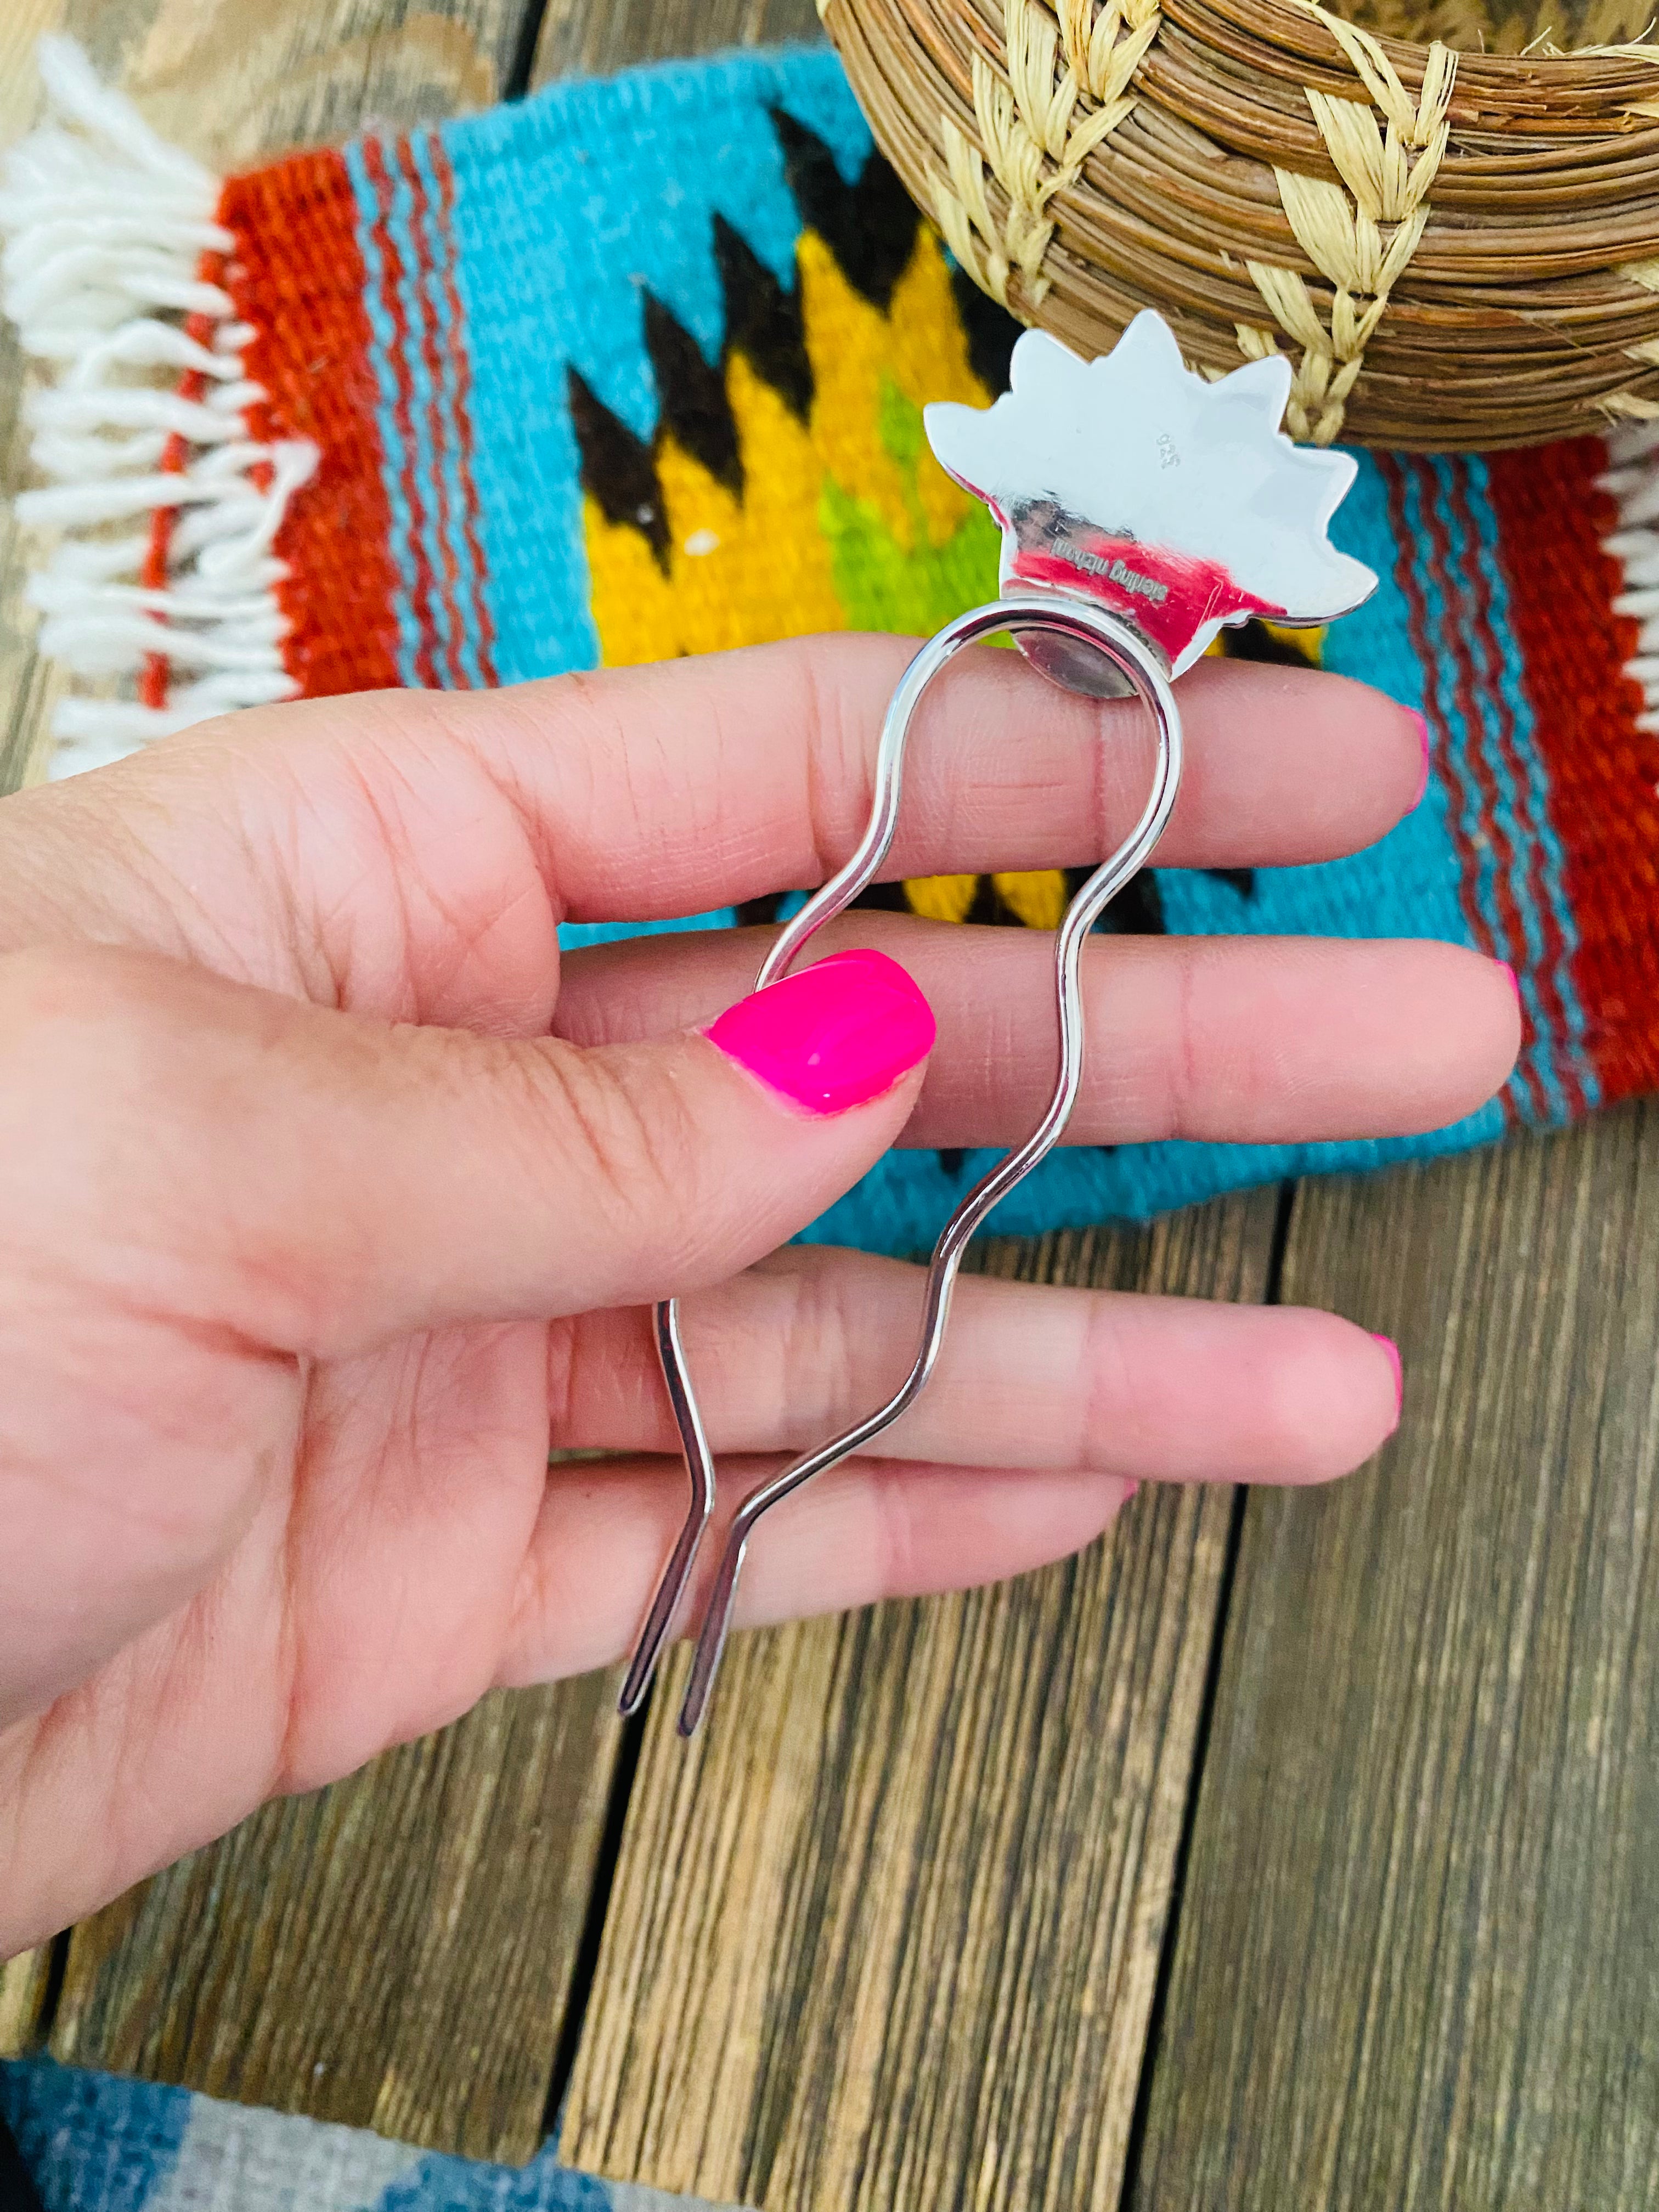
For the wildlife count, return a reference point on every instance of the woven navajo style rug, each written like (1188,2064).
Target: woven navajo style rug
(634,369)
(86,2141)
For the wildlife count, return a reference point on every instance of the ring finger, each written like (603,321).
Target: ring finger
(1031,1376)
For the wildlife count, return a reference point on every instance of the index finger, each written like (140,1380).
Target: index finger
(672,788)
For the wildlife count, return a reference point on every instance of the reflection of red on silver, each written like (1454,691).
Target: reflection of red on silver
(1168,595)
(1175,501)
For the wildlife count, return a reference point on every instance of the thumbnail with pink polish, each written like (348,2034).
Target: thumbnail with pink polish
(1423,740)
(1393,1351)
(834,1036)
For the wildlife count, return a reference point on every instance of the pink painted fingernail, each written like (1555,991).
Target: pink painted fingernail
(1393,1351)
(1510,978)
(834,1036)
(1423,740)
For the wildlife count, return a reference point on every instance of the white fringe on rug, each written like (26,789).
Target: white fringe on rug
(107,227)
(1634,480)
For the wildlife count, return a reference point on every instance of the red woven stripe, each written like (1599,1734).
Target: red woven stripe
(462,371)
(429,251)
(1602,768)
(297,278)
(1455,628)
(1403,527)
(1481,634)
(424,588)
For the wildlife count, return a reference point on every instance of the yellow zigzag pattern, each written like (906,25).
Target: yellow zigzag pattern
(742,571)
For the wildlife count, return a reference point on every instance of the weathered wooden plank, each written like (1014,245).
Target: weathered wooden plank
(887,1933)
(397,1951)
(23,23)
(1417,1961)
(27,688)
(24,1982)
(594,37)
(234,84)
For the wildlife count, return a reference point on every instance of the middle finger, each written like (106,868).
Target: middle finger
(1243,1040)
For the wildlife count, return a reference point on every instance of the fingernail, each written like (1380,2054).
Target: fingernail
(1393,1351)
(1510,978)
(834,1036)
(1423,740)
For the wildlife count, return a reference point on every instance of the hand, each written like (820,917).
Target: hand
(331,1198)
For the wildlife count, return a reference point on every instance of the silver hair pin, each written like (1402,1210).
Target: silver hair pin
(1142,509)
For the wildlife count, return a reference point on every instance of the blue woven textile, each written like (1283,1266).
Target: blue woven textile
(95,2143)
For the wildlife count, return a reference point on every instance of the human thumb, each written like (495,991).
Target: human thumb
(321,1182)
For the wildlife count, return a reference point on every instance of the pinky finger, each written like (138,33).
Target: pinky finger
(872,1529)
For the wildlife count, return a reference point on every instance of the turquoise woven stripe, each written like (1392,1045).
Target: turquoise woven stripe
(383,353)
(427,414)
(1509,851)
(1462,740)
(1541,873)
(575,936)
(440,314)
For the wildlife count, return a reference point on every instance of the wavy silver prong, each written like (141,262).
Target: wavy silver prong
(1079,623)
(700,1466)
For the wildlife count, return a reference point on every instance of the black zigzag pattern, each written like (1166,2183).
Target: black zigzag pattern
(870,228)
(870,225)
(763,320)
(990,330)
(618,469)
(1254,641)
(693,409)
(1137,911)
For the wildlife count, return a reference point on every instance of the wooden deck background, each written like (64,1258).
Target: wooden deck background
(1287,1849)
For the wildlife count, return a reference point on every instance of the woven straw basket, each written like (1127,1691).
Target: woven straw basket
(1457,249)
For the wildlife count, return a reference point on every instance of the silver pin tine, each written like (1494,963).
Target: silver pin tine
(824,905)
(1075,626)
(700,1465)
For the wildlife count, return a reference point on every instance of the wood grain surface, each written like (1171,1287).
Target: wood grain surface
(397,1951)
(1418,1960)
(235,83)
(27,688)
(595,37)
(25,1986)
(887,1933)
(22,23)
